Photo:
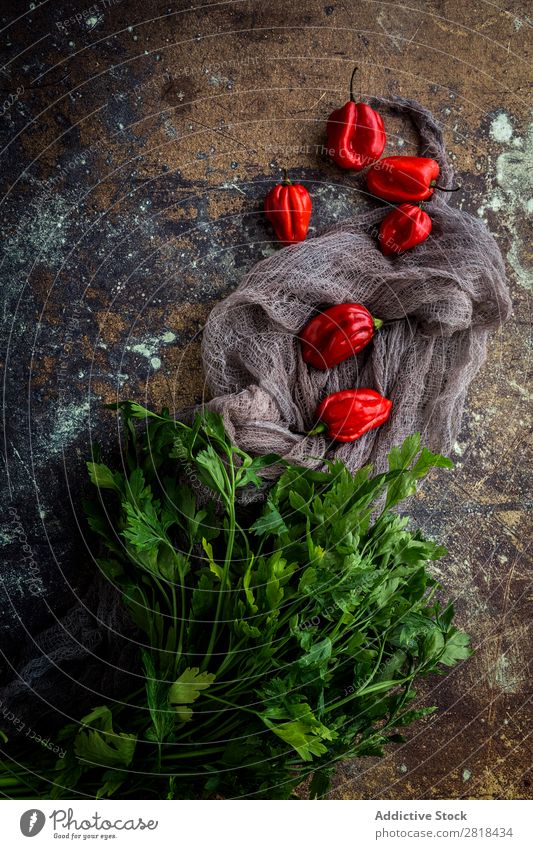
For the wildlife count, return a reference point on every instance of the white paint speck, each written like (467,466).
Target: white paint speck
(6,538)
(149,348)
(525,393)
(69,422)
(505,676)
(141,349)
(467,775)
(501,128)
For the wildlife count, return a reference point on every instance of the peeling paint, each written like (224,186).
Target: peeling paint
(512,200)
(41,235)
(521,390)
(150,346)
(501,128)
(69,422)
(504,675)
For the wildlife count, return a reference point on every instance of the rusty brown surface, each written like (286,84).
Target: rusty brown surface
(138,152)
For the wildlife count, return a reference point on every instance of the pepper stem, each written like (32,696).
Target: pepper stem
(320,428)
(286,181)
(377,323)
(352,98)
(434,185)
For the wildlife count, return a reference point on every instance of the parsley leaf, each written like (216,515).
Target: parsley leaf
(186,689)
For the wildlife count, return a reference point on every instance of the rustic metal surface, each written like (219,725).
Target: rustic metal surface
(139,142)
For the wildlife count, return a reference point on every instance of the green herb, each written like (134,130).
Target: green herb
(283,637)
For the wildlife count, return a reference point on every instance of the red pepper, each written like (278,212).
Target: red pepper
(288,208)
(356,134)
(349,414)
(404,227)
(336,334)
(403,178)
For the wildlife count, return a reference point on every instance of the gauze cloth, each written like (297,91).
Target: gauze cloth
(449,294)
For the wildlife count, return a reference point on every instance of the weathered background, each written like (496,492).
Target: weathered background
(140,140)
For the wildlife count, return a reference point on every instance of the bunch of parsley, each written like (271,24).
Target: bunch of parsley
(276,639)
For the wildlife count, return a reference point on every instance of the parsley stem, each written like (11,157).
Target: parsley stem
(183,607)
(230,502)
(230,704)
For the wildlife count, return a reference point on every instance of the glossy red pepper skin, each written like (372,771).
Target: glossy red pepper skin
(336,334)
(288,207)
(403,178)
(403,228)
(349,414)
(356,135)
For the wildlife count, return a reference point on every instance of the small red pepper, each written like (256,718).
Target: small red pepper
(404,227)
(349,414)
(288,208)
(356,134)
(403,178)
(336,334)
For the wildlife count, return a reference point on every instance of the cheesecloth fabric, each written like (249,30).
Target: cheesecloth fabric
(442,300)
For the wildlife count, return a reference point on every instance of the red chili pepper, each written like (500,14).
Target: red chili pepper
(336,334)
(356,134)
(288,208)
(404,227)
(404,178)
(349,414)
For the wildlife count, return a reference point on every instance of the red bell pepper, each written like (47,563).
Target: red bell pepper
(288,207)
(403,178)
(349,414)
(356,134)
(336,334)
(404,227)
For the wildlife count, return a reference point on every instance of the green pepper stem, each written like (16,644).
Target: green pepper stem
(320,428)
(286,181)
(377,323)
(352,98)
